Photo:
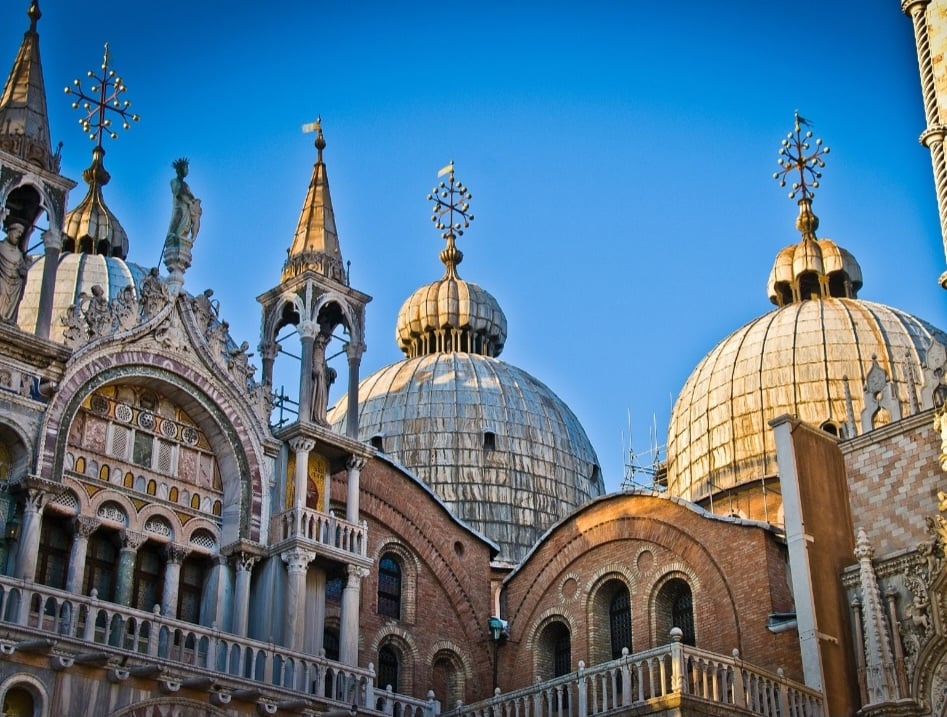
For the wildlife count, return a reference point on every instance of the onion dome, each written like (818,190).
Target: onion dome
(502,450)
(806,358)
(92,227)
(315,246)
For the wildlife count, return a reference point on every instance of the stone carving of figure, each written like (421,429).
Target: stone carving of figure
(205,309)
(217,339)
(125,308)
(940,424)
(185,209)
(13,268)
(323,376)
(239,364)
(98,313)
(154,294)
(75,331)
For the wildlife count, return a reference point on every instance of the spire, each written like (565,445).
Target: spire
(814,268)
(92,227)
(880,679)
(316,244)
(24,123)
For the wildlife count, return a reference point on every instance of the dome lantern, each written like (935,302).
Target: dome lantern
(450,314)
(814,268)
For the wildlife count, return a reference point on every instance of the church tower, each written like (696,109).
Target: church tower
(314,297)
(30,183)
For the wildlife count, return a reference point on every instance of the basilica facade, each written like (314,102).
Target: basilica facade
(440,540)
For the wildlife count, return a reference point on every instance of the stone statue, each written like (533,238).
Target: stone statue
(154,294)
(239,364)
(98,313)
(323,376)
(204,309)
(13,268)
(125,308)
(185,208)
(217,339)
(75,330)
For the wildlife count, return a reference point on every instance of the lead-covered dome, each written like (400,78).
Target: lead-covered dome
(505,453)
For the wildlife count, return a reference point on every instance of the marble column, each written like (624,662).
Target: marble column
(268,352)
(316,612)
(52,243)
(174,555)
(354,352)
(354,466)
(297,560)
(28,548)
(241,600)
(131,541)
(348,632)
(84,527)
(307,336)
(301,447)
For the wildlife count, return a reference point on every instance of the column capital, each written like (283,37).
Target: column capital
(85,525)
(908,6)
(356,572)
(52,239)
(175,553)
(297,560)
(302,444)
(354,351)
(355,463)
(132,539)
(245,561)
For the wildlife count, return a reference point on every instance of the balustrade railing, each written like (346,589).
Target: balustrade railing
(161,640)
(322,528)
(633,680)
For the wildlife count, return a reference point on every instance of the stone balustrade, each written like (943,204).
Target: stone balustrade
(85,624)
(322,529)
(632,681)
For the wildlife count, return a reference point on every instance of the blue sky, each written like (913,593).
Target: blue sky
(619,153)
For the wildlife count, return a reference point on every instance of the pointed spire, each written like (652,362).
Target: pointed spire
(316,244)
(24,123)
(879,658)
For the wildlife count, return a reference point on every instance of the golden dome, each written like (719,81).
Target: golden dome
(793,360)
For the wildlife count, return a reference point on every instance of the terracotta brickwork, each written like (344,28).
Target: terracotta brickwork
(736,572)
(893,479)
(446,603)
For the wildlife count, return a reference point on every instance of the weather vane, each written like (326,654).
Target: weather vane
(794,155)
(452,199)
(103,98)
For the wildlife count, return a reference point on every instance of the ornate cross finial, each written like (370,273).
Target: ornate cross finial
(793,157)
(103,98)
(451,198)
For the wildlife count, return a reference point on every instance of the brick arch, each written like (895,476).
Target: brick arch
(230,434)
(598,605)
(404,645)
(542,661)
(457,673)
(445,567)
(410,567)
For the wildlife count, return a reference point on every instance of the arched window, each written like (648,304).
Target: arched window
(388,668)
(619,621)
(554,657)
(18,702)
(674,607)
(389,586)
